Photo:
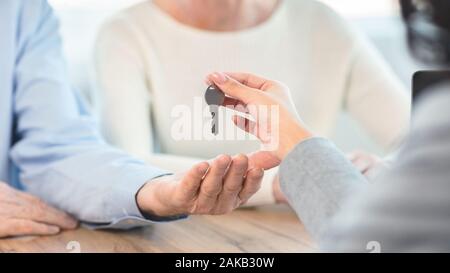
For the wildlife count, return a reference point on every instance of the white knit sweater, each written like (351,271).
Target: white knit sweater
(148,63)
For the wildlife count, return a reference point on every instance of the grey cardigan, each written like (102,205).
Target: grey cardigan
(407,209)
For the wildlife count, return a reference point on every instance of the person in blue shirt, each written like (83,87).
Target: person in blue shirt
(52,159)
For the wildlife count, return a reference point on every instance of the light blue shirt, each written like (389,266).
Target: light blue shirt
(49,146)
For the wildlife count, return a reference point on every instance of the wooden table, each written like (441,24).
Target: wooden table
(265,229)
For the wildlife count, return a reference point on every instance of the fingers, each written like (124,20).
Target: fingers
(19,227)
(234,88)
(250,80)
(226,183)
(246,125)
(251,185)
(36,210)
(235,105)
(362,165)
(212,185)
(191,182)
(233,184)
(363,162)
(263,160)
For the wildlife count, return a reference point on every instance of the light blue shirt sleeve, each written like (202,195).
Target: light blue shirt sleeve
(57,149)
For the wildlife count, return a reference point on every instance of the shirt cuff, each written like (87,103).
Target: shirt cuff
(130,222)
(126,196)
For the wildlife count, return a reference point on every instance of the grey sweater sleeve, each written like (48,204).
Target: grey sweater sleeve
(405,210)
(317,179)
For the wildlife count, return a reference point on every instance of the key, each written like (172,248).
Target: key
(214,98)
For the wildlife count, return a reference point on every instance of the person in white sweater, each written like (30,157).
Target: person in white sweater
(152,57)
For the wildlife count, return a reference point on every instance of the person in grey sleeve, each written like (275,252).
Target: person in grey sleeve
(408,208)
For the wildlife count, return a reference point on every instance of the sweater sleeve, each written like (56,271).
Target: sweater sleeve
(123,93)
(375,97)
(370,83)
(318,180)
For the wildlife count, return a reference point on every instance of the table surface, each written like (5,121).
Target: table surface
(264,229)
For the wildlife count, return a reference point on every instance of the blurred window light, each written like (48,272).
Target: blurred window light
(348,8)
(92,4)
(364,8)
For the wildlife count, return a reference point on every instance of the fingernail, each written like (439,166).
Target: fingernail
(208,81)
(53,229)
(223,159)
(259,173)
(219,78)
(203,168)
(241,157)
(71,222)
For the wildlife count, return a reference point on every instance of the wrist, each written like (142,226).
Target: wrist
(278,195)
(151,199)
(291,139)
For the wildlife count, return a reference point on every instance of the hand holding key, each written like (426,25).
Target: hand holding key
(215,98)
(250,92)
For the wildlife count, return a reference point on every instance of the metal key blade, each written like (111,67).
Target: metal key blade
(214,109)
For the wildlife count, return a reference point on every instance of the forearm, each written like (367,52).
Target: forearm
(97,184)
(56,146)
(318,179)
(406,210)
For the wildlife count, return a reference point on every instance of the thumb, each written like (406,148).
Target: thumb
(263,159)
